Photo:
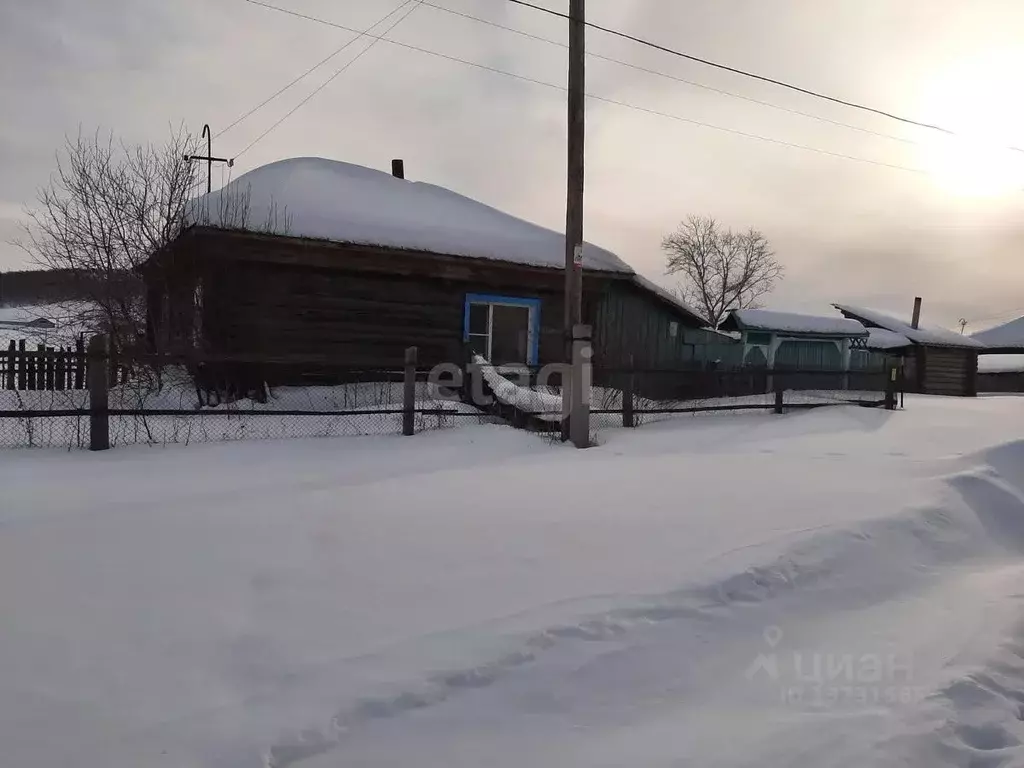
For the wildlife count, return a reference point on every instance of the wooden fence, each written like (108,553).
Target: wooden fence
(43,368)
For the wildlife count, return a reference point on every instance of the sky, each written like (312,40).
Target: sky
(948,225)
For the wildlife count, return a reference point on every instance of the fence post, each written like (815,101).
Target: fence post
(628,418)
(778,397)
(409,393)
(890,390)
(579,417)
(99,420)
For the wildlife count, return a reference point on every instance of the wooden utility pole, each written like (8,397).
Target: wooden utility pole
(574,191)
(209,158)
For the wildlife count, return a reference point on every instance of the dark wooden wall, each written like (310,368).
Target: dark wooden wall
(361,306)
(1001,381)
(946,371)
(354,319)
(351,305)
(630,323)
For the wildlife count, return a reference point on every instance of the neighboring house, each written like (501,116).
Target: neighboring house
(937,361)
(787,339)
(1007,338)
(1001,363)
(25,324)
(1001,373)
(369,264)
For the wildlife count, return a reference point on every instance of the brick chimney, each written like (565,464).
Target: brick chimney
(915,321)
(398,168)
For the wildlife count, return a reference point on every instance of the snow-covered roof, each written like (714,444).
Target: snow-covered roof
(1009,334)
(791,322)
(669,297)
(330,200)
(1000,363)
(932,335)
(880,338)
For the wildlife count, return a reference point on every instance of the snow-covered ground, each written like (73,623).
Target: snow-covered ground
(65,319)
(831,588)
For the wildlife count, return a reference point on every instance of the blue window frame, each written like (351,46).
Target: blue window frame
(479,308)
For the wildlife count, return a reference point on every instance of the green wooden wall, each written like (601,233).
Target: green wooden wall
(630,323)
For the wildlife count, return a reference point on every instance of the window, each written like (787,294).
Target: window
(503,329)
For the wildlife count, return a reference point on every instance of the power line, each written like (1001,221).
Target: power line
(307,73)
(752,75)
(374,40)
(595,97)
(674,78)
(736,132)
(1019,311)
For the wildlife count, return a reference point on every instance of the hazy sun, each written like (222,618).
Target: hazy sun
(982,99)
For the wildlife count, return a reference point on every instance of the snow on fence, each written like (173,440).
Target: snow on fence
(630,397)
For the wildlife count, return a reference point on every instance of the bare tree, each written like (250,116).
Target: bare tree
(106,209)
(722,269)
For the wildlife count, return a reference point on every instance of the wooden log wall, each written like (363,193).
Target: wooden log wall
(947,371)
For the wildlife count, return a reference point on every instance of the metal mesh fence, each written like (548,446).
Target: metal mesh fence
(176,406)
(156,402)
(532,397)
(656,394)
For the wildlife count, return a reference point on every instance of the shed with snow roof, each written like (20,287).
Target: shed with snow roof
(355,265)
(797,341)
(936,360)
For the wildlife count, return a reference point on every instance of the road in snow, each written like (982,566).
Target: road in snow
(839,587)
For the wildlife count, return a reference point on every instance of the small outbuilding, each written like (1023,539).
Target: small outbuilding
(790,340)
(1001,363)
(936,360)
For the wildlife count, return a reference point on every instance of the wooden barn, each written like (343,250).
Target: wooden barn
(357,265)
(936,361)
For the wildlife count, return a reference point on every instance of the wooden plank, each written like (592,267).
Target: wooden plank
(80,364)
(60,371)
(22,362)
(50,362)
(11,360)
(40,367)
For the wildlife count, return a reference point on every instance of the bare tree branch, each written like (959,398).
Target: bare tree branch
(722,270)
(106,209)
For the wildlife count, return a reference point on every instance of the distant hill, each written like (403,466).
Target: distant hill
(41,286)
(37,286)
